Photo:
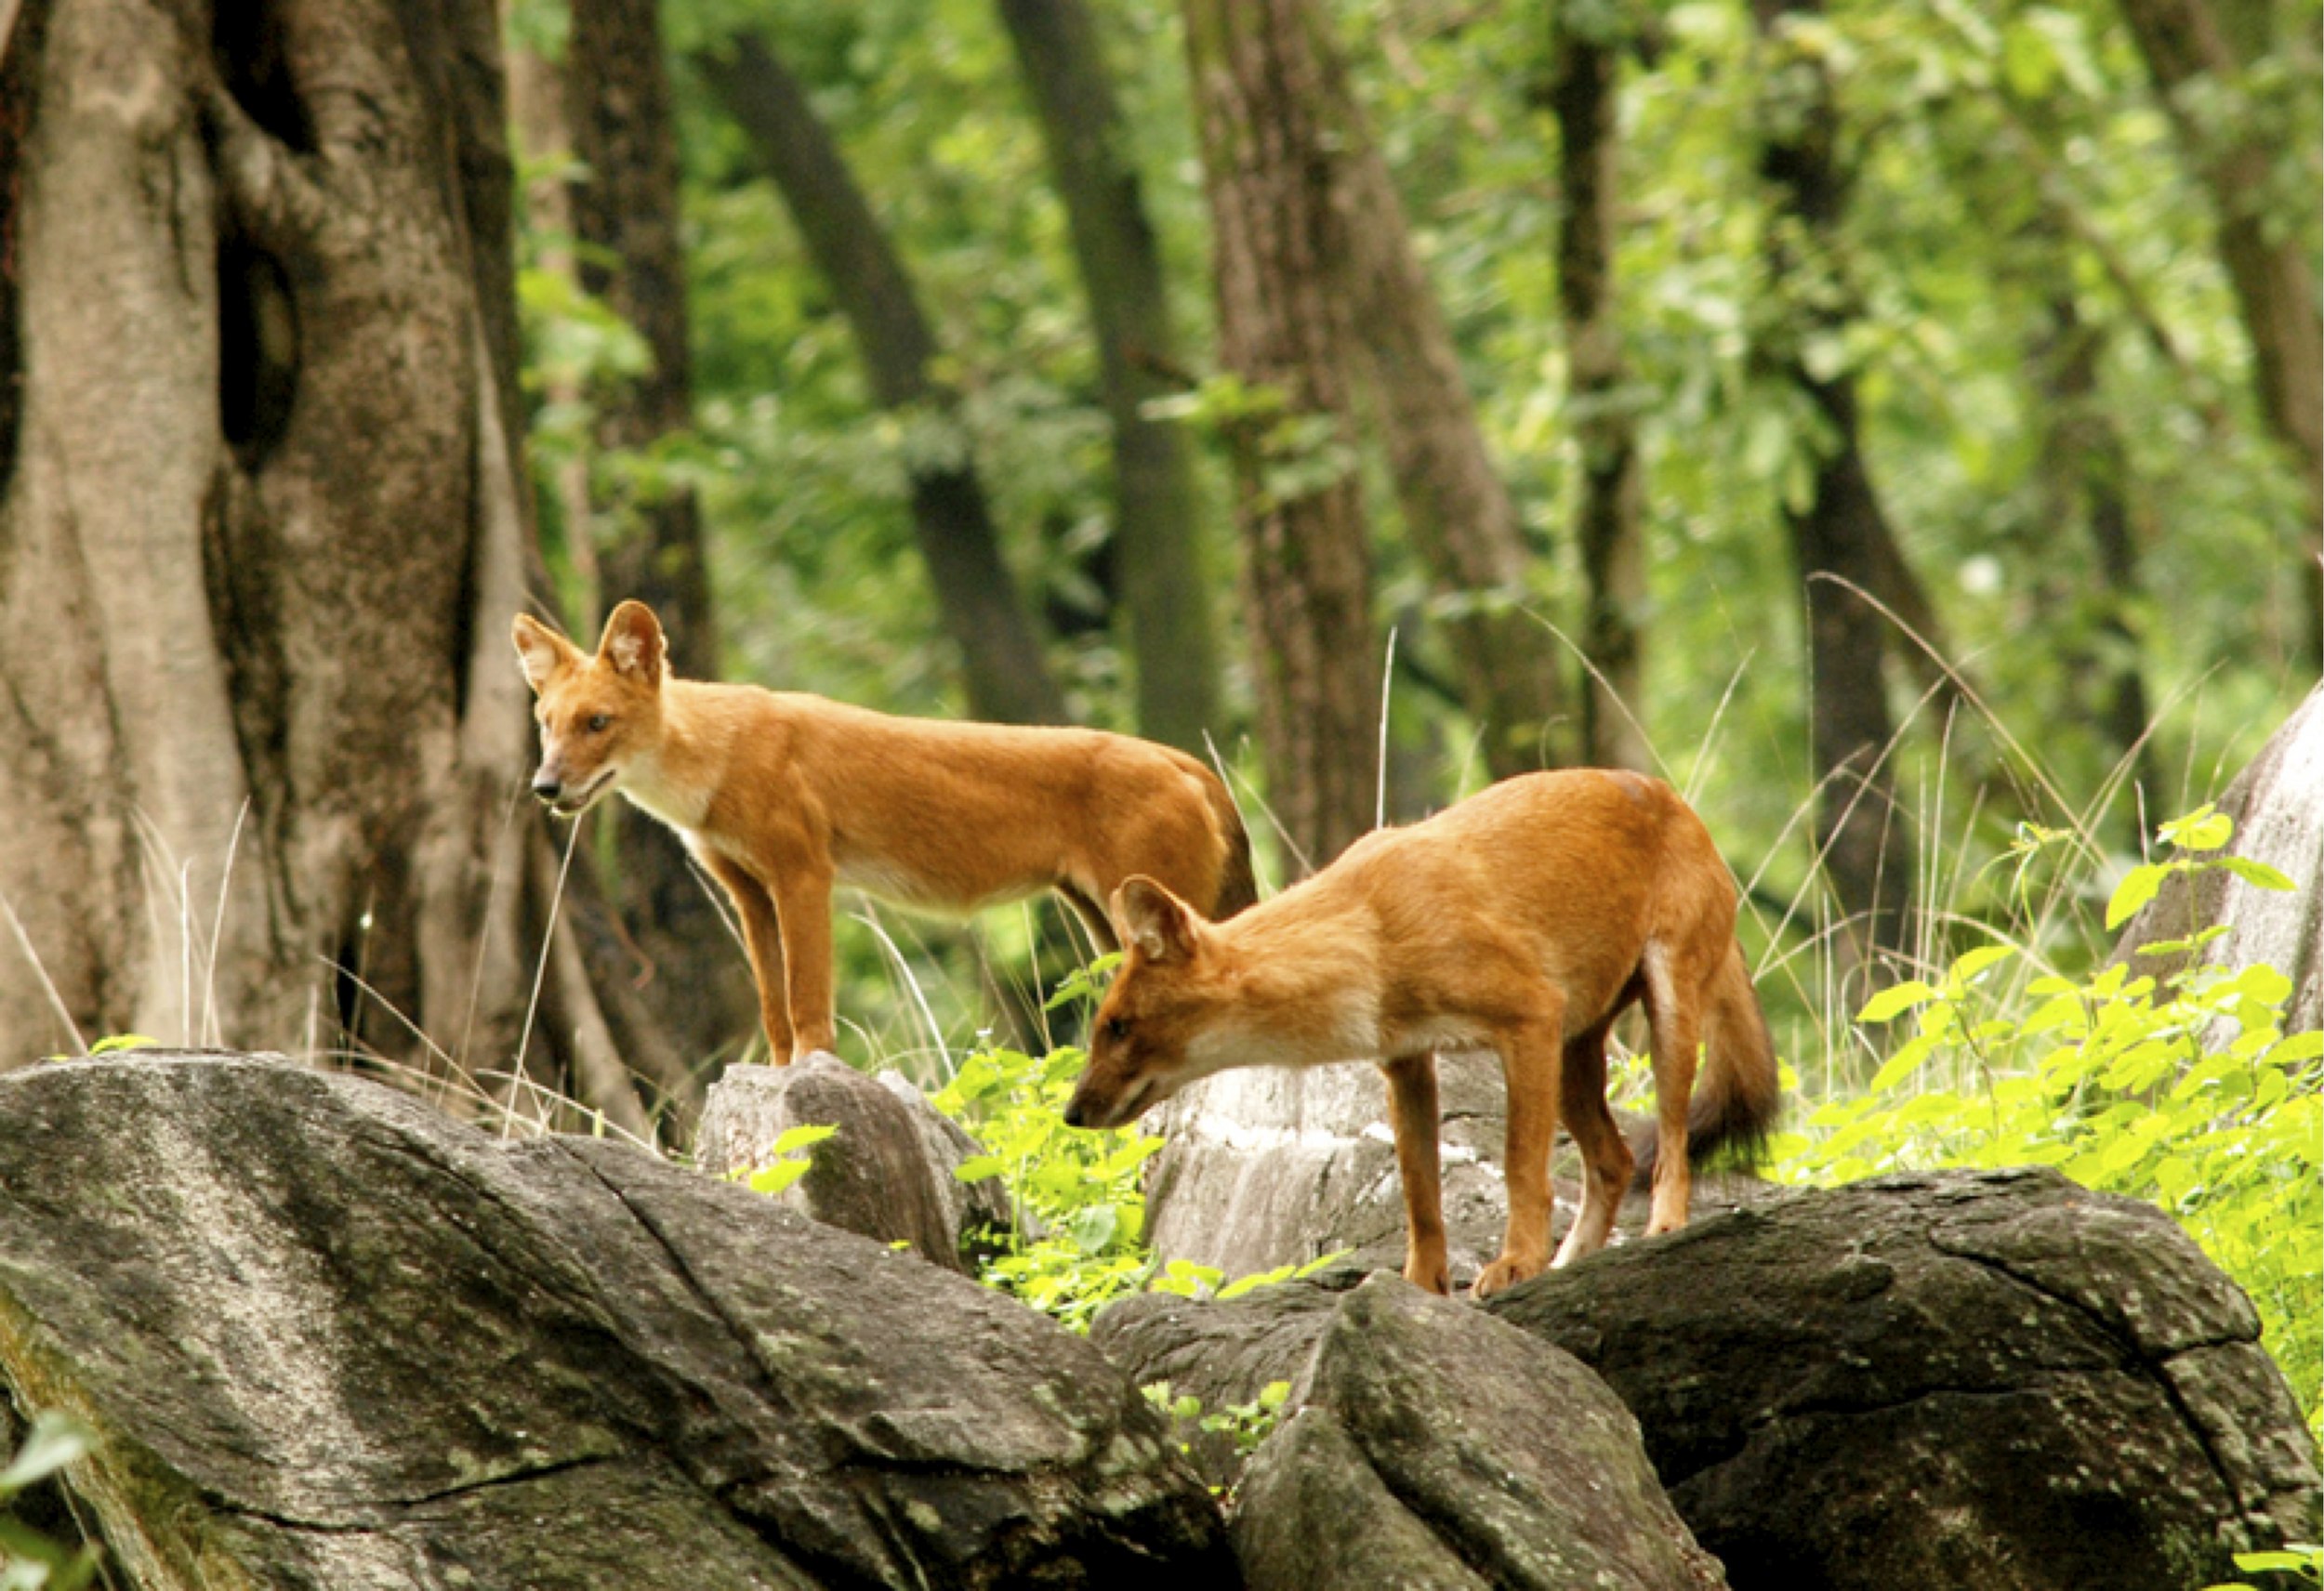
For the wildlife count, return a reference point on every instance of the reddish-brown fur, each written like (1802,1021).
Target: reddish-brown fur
(782,796)
(1524,920)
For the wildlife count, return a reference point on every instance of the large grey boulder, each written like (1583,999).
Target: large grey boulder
(1270,1165)
(1986,1379)
(1435,1447)
(879,1176)
(330,1339)
(2278,804)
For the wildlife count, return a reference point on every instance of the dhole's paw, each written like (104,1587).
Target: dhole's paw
(1429,1277)
(1502,1273)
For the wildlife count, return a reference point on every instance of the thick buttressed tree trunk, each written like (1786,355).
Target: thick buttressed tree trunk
(2188,43)
(1840,537)
(1006,676)
(1259,92)
(1172,641)
(1585,69)
(624,205)
(260,538)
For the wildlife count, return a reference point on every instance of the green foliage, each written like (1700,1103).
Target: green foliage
(30,1561)
(1245,1424)
(2184,1090)
(1080,1208)
(786,1162)
(2301,1559)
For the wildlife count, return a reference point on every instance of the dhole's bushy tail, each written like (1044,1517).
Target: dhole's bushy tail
(1238,887)
(1736,1091)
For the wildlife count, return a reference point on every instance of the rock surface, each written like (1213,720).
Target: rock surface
(2278,804)
(330,1339)
(1435,1447)
(971,1209)
(1986,1379)
(875,1176)
(1270,1166)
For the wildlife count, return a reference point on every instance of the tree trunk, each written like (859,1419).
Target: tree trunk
(2085,473)
(2184,41)
(260,538)
(1455,506)
(626,220)
(1260,104)
(1006,676)
(1838,536)
(1157,521)
(1584,75)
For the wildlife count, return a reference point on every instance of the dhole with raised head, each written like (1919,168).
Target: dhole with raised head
(1523,920)
(781,795)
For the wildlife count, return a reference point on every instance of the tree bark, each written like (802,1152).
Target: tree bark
(624,209)
(1456,508)
(1839,535)
(2085,473)
(1172,641)
(260,538)
(1584,79)
(1257,68)
(1006,675)
(2186,42)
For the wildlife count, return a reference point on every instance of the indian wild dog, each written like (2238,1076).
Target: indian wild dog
(781,795)
(1523,920)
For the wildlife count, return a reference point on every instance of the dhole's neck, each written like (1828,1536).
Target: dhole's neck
(676,778)
(1306,987)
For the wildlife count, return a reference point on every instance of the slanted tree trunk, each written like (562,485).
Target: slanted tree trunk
(1456,508)
(1006,675)
(2187,43)
(1840,537)
(260,536)
(1157,516)
(1258,74)
(624,205)
(1585,69)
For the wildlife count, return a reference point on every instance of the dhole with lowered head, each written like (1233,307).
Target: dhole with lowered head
(781,795)
(1523,920)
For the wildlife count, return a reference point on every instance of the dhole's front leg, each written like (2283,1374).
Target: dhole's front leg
(803,904)
(1530,1060)
(762,938)
(1412,1112)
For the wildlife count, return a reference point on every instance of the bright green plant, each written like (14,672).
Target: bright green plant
(29,1560)
(2184,1090)
(1246,1425)
(786,1162)
(2304,1559)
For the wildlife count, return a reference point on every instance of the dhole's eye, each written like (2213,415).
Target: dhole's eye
(598,722)
(1117,1027)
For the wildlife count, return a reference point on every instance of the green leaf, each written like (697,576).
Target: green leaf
(1984,957)
(2138,886)
(54,1441)
(2257,873)
(778,1178)
(793,1139)
(1895,1001)
(978,1168)
(112,1042)
(1900,1066)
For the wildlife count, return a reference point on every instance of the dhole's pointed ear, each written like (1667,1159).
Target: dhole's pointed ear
(633,644)
(1162,927)
(541,652)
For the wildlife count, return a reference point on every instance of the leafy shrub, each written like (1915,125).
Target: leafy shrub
(2184,1091)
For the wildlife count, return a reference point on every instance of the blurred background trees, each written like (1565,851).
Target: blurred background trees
(1896,423)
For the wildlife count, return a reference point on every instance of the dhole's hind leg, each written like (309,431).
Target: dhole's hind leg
(1606,1159)
(1412,1111)
(1674,1005)
(1531,1053)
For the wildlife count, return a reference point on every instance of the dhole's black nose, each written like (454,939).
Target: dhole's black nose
(548,786)
(1075,1115)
